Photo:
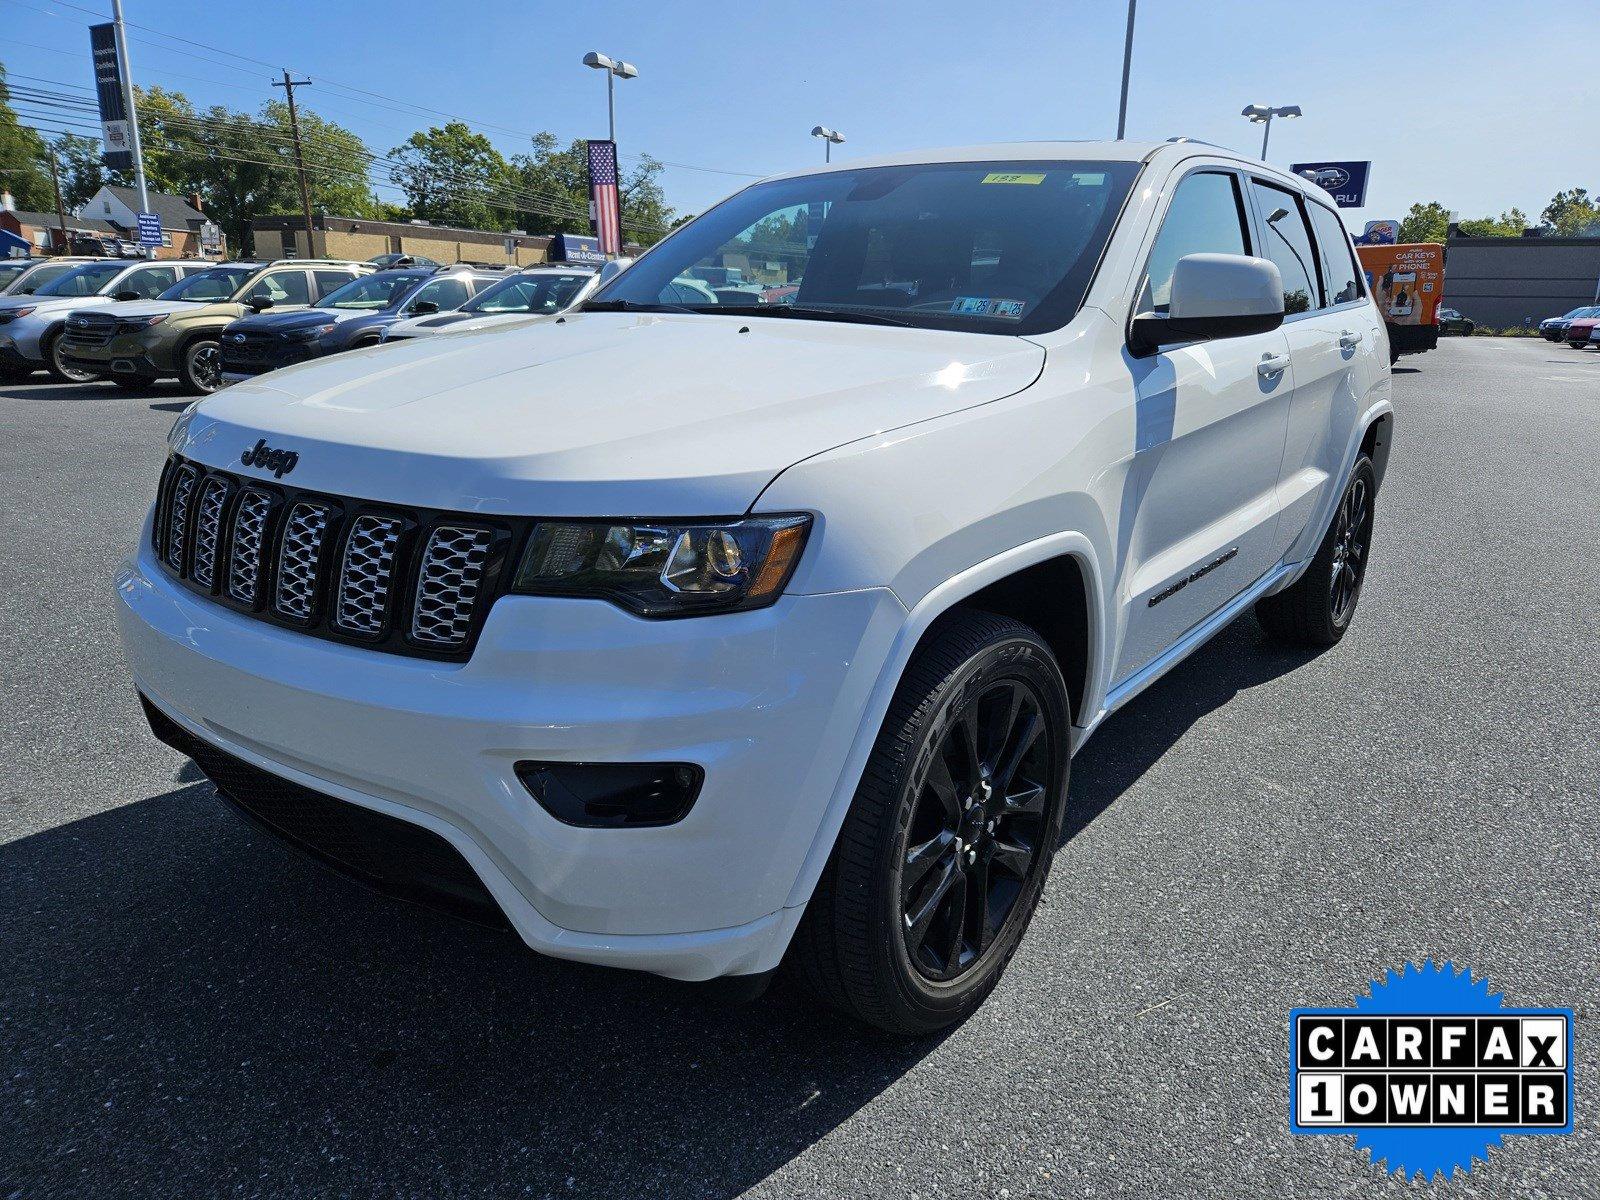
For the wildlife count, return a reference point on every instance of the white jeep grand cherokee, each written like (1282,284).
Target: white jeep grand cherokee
(691,637)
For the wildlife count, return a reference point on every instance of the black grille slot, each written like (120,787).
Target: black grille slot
(408,581)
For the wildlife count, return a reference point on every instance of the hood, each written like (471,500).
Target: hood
(288,322)
(50,303)
(155,308)
(462,322)
(600,414)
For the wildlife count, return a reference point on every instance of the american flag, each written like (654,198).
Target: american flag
(603,198)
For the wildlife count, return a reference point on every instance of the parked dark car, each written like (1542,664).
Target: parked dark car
(1579,329)
(1451,322)
(1554,329)
(347,319)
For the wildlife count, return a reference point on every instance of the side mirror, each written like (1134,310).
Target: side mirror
(258,301)
(423,307)
(126,295)
(1214,296)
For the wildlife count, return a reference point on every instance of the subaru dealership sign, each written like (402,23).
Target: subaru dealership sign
(1346,182)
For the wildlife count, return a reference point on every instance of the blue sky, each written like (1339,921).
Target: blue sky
(1459,102)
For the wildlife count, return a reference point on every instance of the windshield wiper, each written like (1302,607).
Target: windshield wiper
(632,306)
(801,312)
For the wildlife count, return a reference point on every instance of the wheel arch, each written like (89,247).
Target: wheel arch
(1008,584)
(1375,441)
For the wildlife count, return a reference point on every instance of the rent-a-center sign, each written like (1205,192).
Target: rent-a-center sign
(1346,182)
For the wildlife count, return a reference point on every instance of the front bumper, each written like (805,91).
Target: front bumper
(22,342)
(768,703)
(127,353)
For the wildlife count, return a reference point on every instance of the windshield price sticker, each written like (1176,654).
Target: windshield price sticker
(1430,1071)
(1014,177)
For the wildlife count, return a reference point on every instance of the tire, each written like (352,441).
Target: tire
(856,947)
(1394,355)
(1318,608)
(58,369)
(200,367)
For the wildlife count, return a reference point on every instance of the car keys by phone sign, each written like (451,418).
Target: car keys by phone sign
(1430,1070)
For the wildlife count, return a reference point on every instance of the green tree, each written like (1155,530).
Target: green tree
(22,159)
(1573,213)
(453,176)
(1425,223)
(243,166)
(82,171)
(553,192)
(1507,224)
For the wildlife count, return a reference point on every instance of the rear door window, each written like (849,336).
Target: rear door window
(447,293)
(329,281)
(287,287)
(1288,243)
(1206,217)
(1340,277)
(149,282)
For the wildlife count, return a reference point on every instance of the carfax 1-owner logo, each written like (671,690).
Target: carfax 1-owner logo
(1430,1070)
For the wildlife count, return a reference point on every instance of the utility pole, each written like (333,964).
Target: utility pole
(1127,67)
(288,85)
(61,212)
(133,117)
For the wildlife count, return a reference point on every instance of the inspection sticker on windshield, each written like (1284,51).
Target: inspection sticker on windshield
(1014,177)
(983,306)
(1430,1071)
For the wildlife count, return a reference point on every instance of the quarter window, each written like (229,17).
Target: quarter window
(1339,273)
(446,293)
(1206,217)
(1288,243)
(328,281)
(151,282)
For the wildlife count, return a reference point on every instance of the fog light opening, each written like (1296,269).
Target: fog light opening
(613,795)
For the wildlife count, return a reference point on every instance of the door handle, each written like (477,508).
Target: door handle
(1348,340)
(1271,364)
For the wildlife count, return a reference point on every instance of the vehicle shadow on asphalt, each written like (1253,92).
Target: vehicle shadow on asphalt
(1135,738)
(188,1008)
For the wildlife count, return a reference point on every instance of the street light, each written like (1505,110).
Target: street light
(615,69)
(830,139)
(1261,114)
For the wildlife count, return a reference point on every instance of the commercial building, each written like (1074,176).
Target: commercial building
(1503,282)
(360,239)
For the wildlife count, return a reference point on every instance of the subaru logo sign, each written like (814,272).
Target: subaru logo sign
(1346,182)
(238,337)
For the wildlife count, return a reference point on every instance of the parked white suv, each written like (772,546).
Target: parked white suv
(687,637)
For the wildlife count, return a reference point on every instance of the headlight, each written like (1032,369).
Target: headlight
(307,335)
(13,314)
(665,568)
(153,320)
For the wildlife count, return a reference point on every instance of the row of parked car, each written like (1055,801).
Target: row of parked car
(1579,328)
(207,324)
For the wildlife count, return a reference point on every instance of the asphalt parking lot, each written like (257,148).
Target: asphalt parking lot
(188,1009)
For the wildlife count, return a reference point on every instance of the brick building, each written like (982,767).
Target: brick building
(360,239)
(108,223)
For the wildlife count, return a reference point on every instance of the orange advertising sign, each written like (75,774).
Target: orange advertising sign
(1406,281)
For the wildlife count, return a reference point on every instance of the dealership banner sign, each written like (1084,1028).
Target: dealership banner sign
(115,130)
(1346,182)
(1379,233)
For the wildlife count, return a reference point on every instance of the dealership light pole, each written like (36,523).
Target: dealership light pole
(830,139)
(1262,114)
(615,69)
(1127,65)
(133,117)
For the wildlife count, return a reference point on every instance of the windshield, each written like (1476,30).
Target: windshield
(10,270)
(994,247)
(219,283)
(83,281)
(528,294)
(370,293)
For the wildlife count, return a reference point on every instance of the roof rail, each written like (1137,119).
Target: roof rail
(320,262)
(1197,142)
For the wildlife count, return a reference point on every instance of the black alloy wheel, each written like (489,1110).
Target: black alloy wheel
(1352,534)
(973,839)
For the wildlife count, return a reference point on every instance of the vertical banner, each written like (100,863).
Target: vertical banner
(117,151)
(604,201)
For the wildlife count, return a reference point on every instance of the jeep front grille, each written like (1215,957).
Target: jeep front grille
(404,580)
(367,574)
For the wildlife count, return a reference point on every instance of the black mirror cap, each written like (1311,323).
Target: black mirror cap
(258,302)
(424,307)
(127,296)
(1151,332)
